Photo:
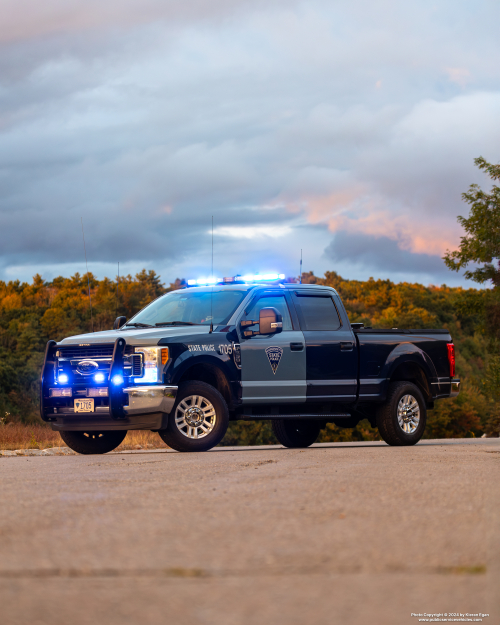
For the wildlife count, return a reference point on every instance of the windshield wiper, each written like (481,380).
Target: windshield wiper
(177,323)
(139,325)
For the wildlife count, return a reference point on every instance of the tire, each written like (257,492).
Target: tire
(93,442)
(296,432)
(409,426)
(198,420)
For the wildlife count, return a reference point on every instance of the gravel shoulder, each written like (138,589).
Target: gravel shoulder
(337,533)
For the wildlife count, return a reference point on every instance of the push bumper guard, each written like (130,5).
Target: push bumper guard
(47,376)
(141,399)
(130,407)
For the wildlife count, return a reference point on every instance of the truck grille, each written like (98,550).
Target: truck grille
(92,351)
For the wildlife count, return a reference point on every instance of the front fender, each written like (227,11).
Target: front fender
(187,360)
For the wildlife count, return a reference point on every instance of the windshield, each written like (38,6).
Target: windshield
(190,307)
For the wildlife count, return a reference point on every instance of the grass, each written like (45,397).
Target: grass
(19,436)
(462,570)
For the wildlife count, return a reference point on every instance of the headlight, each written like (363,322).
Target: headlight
(153,360)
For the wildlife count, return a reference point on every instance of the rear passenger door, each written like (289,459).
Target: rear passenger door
(331,353)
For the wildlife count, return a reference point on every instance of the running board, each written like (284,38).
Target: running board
(305,415)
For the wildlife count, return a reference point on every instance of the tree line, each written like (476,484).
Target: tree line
(31,314)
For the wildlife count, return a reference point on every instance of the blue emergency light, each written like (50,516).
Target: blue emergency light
(204,281)
(251,277)
(268,277)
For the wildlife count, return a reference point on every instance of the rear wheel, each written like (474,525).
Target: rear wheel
(198,420)
(296,432)
(93,442)
(402,419)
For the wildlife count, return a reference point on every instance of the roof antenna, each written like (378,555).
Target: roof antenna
(212,291)
(300,276)
(117,287)
(88,277)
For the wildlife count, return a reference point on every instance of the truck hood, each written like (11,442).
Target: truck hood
(142,337)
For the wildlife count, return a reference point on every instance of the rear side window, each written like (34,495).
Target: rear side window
(318,312)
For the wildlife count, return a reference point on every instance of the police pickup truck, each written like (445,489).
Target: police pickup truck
(196,358)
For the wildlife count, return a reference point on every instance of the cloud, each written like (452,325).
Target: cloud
(287,122)
(252,232)
(405,182)
(459,75)
(25,19)
(379,255)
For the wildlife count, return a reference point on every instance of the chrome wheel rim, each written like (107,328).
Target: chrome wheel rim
(195,416)
(408,414)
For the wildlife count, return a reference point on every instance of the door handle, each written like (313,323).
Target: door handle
(346,346)
(296,347)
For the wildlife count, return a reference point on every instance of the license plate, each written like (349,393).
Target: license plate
(84,405)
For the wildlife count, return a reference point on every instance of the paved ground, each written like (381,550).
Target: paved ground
(345,533)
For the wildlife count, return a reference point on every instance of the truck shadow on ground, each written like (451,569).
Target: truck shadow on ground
(319,446)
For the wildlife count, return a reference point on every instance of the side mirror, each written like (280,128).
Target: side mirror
(119,321)
(270,321)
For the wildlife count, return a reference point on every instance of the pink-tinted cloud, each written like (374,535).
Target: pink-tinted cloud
(459,75)
(354,211)
(29,19)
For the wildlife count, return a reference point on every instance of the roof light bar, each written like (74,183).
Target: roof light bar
(265,276)
(257,277)
(201,281)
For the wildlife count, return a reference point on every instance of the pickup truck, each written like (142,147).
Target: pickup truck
(198,357)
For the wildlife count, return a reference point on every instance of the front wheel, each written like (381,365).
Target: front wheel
(198,420)
(401,420)
(93,442)
(296,432)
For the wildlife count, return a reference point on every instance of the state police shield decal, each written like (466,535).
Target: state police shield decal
(274,355)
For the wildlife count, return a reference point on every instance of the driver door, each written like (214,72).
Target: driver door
(273,366)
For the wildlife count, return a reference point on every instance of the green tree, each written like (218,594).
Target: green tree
(480,247)
(481,243)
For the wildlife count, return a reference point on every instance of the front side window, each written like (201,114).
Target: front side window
(318,312)
(270,301)
(191,307)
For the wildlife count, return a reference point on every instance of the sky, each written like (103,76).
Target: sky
(347,130)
